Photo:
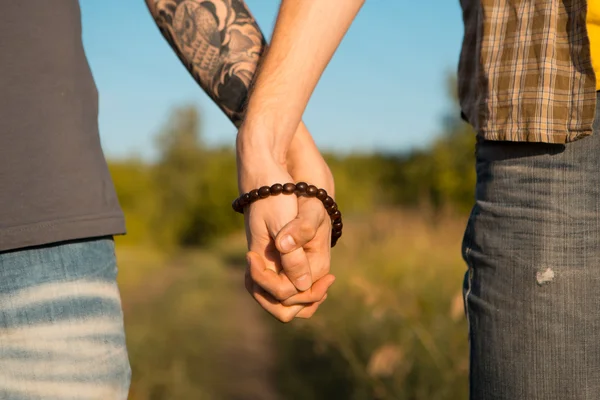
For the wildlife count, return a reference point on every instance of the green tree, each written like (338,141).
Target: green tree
(176,175)
(195,184)
(134,184)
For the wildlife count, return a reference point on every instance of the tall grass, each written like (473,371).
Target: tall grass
(392,327)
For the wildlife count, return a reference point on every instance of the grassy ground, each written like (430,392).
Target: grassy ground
(392,328)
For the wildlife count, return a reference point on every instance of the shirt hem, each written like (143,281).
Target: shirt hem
(535,137)
(49,232)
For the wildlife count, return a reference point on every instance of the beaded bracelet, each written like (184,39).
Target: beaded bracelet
(299,189)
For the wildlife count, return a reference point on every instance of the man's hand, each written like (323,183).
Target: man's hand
(305,37)
(220,44)
(280,273)
(281,281)
(311,230)
(259,276)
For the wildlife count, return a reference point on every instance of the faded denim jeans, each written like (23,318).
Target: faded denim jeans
(532,290)
(61,324)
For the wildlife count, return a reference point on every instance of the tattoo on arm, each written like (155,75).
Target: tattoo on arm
(218,41)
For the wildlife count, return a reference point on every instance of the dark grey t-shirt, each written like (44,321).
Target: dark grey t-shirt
(54,182)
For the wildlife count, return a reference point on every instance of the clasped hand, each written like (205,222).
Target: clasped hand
(289,237)
(288,261)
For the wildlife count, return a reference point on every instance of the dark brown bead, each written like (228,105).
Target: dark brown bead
(289,188)
(264,192)
(332,209)
(336,215)
(336,234)
(338,225)
(236,205)
(334,240)
(245,199)
(328,202)
(254,195)
(311,190)
(276,189)
(321,194)
(301,187)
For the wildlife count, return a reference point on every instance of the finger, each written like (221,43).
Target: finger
(263,219)
(312,295)
(296,234)
(303,228)
(296,267)
(309,311)
(276,284)
(267,302)
(274,307)
(318,253)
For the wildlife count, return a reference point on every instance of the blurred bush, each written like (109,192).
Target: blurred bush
(184,199)
(393,326)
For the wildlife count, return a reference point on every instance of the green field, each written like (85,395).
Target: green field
(392,328)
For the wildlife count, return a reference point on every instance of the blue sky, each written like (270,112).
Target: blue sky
(383,90)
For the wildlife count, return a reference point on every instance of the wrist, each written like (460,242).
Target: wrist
(253,152)
(264,133)
(256,144)
(257,167)
(306,164)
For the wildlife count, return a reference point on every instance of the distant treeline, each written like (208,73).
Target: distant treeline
(183,199)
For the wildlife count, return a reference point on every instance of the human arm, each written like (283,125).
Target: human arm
(220,44)
(306,35)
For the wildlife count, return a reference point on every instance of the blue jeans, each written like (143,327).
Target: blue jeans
(532,289)
(61,324)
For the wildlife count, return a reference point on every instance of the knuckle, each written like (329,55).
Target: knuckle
(319,297)
(309,313)
(288,302)
(319,271)
(303,298)
(294,267)
(285,317)
(306,230)
(314,297)
(252,273)
(318,294)
(280,292)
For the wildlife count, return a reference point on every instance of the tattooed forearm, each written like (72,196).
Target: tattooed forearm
(218,41)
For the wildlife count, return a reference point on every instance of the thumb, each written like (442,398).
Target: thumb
(302,229)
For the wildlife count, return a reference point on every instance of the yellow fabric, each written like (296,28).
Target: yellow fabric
(593,26)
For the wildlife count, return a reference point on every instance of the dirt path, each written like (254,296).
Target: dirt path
(249,359)
(253,359)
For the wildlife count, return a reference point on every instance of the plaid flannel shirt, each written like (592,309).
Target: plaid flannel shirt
(525,71)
